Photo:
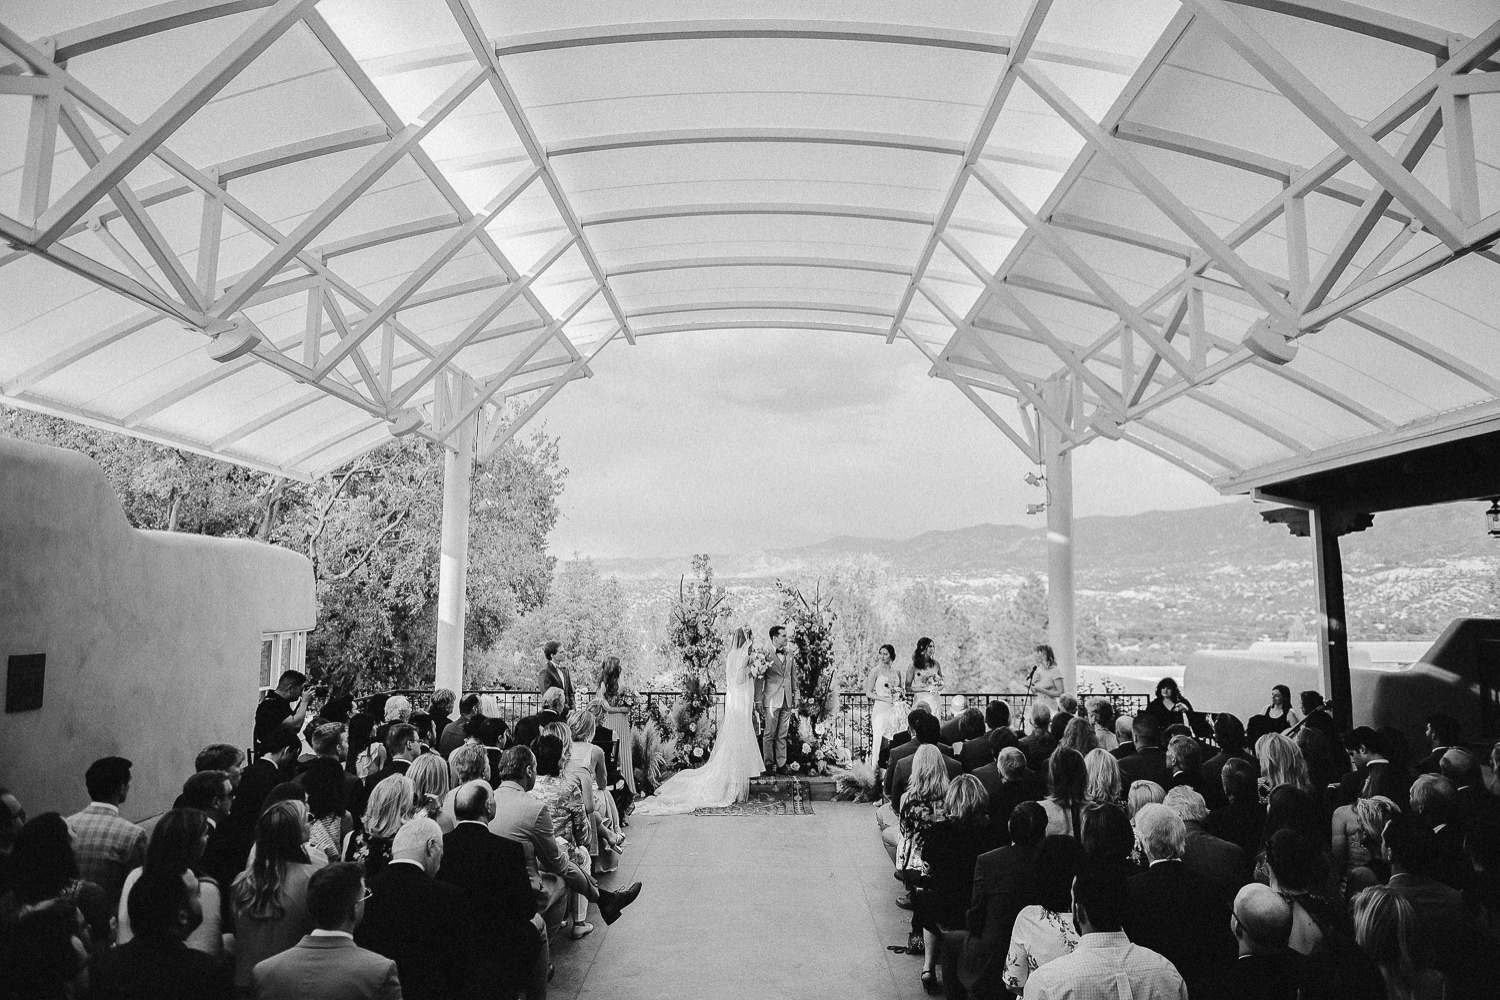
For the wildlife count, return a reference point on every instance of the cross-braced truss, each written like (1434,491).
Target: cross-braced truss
(1250,236)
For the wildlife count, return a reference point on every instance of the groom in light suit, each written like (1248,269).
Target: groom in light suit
(779,700)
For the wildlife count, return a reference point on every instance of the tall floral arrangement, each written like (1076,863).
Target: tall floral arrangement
(695,636)
(814,746)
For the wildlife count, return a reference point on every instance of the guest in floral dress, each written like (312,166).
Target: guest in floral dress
(1044,931)
(921,810)
(391,804)
(570,818)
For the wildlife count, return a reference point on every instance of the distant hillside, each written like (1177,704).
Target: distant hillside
(1164,583)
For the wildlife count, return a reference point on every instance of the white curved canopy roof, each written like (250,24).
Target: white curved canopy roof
(409,211)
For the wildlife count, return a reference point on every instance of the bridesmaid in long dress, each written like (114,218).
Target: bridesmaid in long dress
(883,688)
(617,717)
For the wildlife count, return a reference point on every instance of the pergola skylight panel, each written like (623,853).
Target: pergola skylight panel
(1223,194)
(1456,308)
(551,285)
(402,196)
(1393,384)
(49,310)
(1240,443)
(476,132)
(218,416)
(1283,407)
(697,83)
(759,231)
(114,380)
(380,29)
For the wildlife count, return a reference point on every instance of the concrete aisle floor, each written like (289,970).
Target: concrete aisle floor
(769,907)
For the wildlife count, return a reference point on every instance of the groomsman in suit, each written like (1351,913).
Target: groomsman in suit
(780,700)
(555,675)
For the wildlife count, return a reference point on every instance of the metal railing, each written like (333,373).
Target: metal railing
(851,722)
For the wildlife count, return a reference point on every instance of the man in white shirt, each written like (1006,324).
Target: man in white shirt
(1104,965)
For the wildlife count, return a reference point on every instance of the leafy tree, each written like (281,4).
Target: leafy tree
(586,613)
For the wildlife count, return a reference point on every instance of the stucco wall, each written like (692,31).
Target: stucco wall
(152,638)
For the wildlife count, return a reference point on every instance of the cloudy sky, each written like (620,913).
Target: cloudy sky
(738,442)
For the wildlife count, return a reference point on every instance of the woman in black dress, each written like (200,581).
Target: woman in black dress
(950,848)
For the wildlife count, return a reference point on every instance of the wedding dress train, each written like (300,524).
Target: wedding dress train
(736,756)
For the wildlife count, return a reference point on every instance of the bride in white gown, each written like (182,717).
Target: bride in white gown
(736,757)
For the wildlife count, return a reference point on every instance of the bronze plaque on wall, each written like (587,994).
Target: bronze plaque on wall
(23,682)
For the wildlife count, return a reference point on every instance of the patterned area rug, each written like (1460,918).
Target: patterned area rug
(784,798)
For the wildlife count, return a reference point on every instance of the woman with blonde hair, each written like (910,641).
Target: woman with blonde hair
(922,808)
(489,706)
(1367,865)
(950,850)
(270,897)
(430,782)
(586,761)
(1143,793)
(392,803)
(1104,776)
(1079,736)
(1385,926)
(1281,763)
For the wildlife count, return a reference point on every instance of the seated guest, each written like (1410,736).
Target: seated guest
(1281,763)
(391,804)
(952,727)
(327,964)
(1266,969)
(1102,718)
(1242,820)
(46,870)
(1172,911)
(1482,842)
(1067,784)
(491,735)
(1108,839)
(570,819)
(1373,772)
(430,785)
(1435,801)
(1037,744)
(156,963)
(1450,929)
(1044,930)
(423,724)
(500,901)
(1385,925)
(328,820)
(420,923)
(523,818)
(981,752)
(1149,761)
(451,737)
(107,845)
(926,734)
(212,794)
(1365,848)
(440,711)
(1299,872)
(921,809)
(1461,768)
(1143,793)
(1079,737)
(950,850)
(270,897)
(1290,808)
(1103,776)
(1004,884)
(365,755)
(1223,866)
(174,852)
(970,729)
(1124,737)
(1007,782)
(1185,761)
(221,757)
(1104,954)
(1442,736)
(1322,748)
(553,707)
(256,781)
(909,747)
(1229,734)
(401,748)
(468,763)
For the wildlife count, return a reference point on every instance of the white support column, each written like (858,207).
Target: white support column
(1060,610)
(453,569)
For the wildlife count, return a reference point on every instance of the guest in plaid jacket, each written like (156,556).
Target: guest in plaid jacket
(109,846)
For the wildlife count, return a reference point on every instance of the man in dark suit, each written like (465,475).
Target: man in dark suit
(1473,799)
(1442,734)
(1229,733)
(1458,948)
(900,772)
(1373,773)
(156,964)
(501,900)
(327,964)
(422,924)
(1125,737)
(555,675)
(1009,783)
(1172,911)
(256,782)
(970,730)
(1221,865)
(906,749)
(452,736)
(953,725)
(1005,882)
(1149,762)
(976,754)
(211,793)
(401,748)
(1037,745)
(1266,969)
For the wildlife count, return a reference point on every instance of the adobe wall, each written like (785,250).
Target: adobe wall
(152,638)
